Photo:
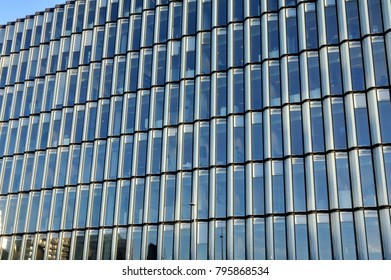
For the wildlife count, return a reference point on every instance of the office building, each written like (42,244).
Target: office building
(197,129)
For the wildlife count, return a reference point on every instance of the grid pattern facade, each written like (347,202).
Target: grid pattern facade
(197,129)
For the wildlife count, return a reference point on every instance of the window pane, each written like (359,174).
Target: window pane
(291,31)
(331,23)
(348,236)
(95,205)
(259,239)
(320,183)
(298,180)
(278,187)
(169,201)
(109,204)
(279,239)
(168,241)
(367,178)
(356,66)
(339,129)
(335,72)
(324,241)
(311,24)
(124,203)
(257,136)
(121,243)
(296,131)
(317,127)
(240,240)
(343,181)
(352,19)
(373,235)
(384,105)
(379,61)
(301,236)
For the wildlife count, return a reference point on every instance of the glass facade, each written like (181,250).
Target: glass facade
(197,129)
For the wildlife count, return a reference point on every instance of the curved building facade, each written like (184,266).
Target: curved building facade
(197,129)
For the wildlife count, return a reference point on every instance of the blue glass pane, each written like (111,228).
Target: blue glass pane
(348,237)
(296,132)
(301,236)
(373,236)
(34,198)
(311,29)
(343,182)
(83,203)
(109,209)
(203,196)
(291,31)
(124,204)
(320,184)
(95,207)
(331,24)
(154,201)
(239,193)
(259,240)
(240,240)
(70,208)
(280,239)
(299,192)
(367,179)
(317,129)
(324,239)
(221,194)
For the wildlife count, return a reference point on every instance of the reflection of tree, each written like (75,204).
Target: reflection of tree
(152,252)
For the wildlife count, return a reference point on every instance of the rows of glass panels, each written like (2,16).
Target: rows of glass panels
(168,129)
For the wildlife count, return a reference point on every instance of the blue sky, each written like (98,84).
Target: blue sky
(10,10)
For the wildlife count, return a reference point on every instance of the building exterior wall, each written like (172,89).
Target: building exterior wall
(197,129)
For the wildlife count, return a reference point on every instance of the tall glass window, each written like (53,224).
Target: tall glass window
(331,22)
(379,61)
(367,178)
(279,237)
(324,237)
(124,193)
(255,40)
(293,79)
(335,72)
(317,127)
(361,118)
(339,127)
(276,133)
(352,19)
(301,238)
(299,186)
(257,136)
(343,180)
(169,198)
(384,107)
(356,66)
(375,16)
(373,235)
(296,130)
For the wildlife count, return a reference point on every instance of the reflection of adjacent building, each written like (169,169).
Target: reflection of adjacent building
(197,129)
